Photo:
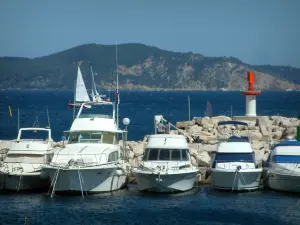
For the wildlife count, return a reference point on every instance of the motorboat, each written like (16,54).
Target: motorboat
(21,168)
(91,161)
(233,164)
(166,164)
(282,169)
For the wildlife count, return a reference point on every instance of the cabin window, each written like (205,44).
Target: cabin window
(108,138)
(184,155)
(113,156)
(164,154)
(175,155)
(92,137)
(233,157)
(153,154)
(285,159)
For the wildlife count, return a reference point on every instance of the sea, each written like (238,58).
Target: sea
(202,205)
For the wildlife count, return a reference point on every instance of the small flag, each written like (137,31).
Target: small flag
(10,112)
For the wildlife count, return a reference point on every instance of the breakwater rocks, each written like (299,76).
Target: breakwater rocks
(202,135)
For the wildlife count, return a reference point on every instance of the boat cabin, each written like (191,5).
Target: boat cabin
(166,147)
(285,152)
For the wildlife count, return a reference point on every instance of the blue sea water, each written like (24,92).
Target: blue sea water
(140,107)
(202,205)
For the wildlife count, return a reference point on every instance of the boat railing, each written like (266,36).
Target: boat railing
(96,116)
(83,160)
(162,165)
(290,167)
(228,164)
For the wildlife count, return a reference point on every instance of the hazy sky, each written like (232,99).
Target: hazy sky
(256,31)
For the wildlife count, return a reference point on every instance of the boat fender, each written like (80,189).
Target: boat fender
(119,172)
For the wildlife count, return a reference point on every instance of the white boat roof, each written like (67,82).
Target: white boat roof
(235,147)
(94,124)
(167,141)
(290,147)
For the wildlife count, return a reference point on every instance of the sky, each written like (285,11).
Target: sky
(255,31)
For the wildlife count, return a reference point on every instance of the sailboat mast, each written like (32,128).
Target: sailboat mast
(117,84)
(74,99)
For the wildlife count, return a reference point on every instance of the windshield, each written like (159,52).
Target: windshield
(92,137)
(166,154)
(34,134)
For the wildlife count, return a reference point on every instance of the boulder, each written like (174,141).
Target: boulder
(289,131)
(184,124)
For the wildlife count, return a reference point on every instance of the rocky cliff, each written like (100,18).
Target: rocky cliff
(141,67)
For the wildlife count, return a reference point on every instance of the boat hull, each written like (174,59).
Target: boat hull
(91,180)
(248,179)
(165,182)
(281,182)
(23,182)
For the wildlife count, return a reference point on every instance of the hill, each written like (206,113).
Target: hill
(141,67)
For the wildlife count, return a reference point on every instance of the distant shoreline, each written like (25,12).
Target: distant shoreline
(140,89)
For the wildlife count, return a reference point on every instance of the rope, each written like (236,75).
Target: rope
(234,179)
(79,177)
(53,189)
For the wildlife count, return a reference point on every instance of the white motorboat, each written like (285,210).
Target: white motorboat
(166,164)
(282,169)
(233,165)
(21,168)
(91,161)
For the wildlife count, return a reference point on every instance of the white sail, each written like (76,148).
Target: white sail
(81,92)
(95,94)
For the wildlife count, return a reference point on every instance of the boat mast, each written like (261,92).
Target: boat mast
(48,117)
(117,84)
(74,99)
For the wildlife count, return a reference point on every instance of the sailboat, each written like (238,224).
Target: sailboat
(80,93)
(96,97)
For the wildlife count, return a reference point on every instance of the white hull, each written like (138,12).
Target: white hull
(93,180)
(282,182)
(165,182)
(23,182)
(247,179)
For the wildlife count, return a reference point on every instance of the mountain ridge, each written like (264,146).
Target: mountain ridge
(141,67)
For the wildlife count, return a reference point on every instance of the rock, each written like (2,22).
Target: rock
(257,145)
(204,159)
(130,155)
(184,124)
(194,130)
(289,131)
(4,144)
(277,135)
(197,120)
(255,135)
(285,123)
(259,156)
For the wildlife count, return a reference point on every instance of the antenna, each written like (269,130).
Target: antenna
(189,106)
(18,119)
(74,99)
(48,117)
(117,84)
